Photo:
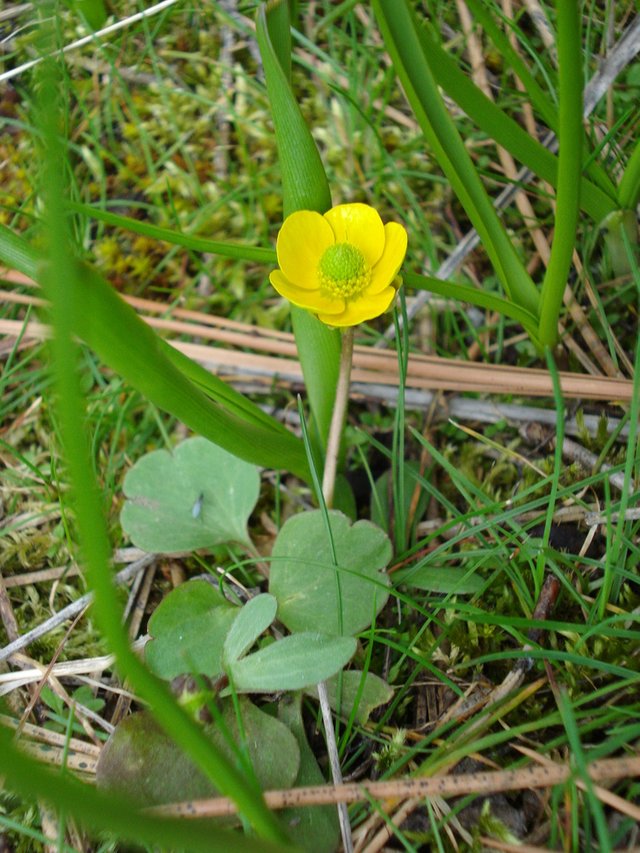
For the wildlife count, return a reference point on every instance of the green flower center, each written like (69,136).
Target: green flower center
(343,271)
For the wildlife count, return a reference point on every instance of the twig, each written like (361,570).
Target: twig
(483,782)
(71,610)
(98,34)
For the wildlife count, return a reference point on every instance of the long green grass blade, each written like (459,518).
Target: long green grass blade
(474,296)
(70,303)
(504,130)
(540,99)
(629,188)
(304,187)
(400,31)
(176,238)
(570,137)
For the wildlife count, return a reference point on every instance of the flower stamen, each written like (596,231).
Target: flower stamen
(343,271)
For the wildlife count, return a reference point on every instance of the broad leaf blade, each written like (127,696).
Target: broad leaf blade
(293,663)
(196,497)
(315,594)
(304,187)
(188,630)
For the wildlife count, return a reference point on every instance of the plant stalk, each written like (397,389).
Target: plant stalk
(328,487)
(337,419)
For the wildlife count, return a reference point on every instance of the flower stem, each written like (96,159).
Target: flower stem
(338,417)
(328,487)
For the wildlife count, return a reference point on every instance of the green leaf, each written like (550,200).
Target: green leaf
(348,690)
(400,33)
(315,830)
(312,591)
(252,620)
(503,129)
(177,238)
(292,663)
(93,11)
(304,182)
(474,296)
(196,497)
(451,580)
(188,630)
(142,762)
(304,187)
(629,188)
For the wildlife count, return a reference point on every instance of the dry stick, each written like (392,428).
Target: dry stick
(71,610)
(373,366)
(483,782)
(328,487)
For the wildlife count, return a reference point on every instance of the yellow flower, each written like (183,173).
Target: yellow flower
(341,266)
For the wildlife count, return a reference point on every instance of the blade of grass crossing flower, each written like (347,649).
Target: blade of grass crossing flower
(176,238)
(504,130)
(474,296)
(399,429)
(400,32)
(304,187)
(570,137)
(63,282)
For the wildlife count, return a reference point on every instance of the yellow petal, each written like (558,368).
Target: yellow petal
(360,225)
(359,310)
(395,248)
(302,240)
(312,300)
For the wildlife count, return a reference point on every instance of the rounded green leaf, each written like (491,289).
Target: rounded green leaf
(292,663)
(196,497)
(188,631)
(311,590)
(142,762)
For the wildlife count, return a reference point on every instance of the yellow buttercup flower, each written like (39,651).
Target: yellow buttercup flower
(342,265)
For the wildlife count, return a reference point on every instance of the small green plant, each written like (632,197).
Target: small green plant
(212,661)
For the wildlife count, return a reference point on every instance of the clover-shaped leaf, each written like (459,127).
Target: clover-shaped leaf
(188,630)
(314,594)
(196,497)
